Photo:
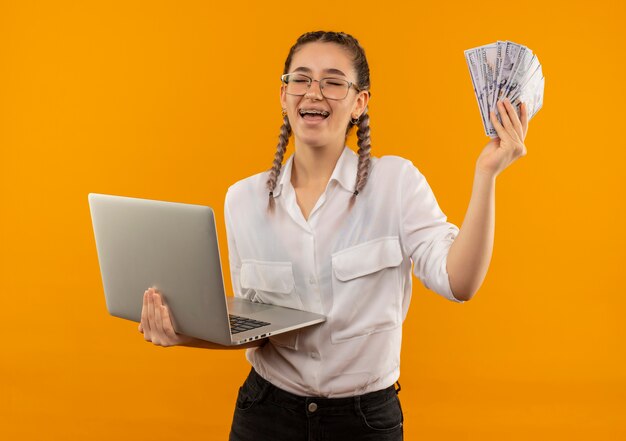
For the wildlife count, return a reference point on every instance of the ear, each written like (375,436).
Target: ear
(361,102)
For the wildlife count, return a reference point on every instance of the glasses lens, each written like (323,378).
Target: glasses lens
(297,84)
(334,88)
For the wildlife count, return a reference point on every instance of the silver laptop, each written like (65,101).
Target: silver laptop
(173,247)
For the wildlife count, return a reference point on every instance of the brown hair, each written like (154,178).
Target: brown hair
(363,132)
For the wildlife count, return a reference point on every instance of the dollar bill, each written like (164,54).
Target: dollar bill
(472,64)
(500,58)
(522,64)
(487,58)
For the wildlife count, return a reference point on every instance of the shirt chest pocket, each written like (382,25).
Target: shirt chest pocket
(367,289)
(271,282)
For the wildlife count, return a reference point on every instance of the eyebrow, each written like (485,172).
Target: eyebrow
(331,70)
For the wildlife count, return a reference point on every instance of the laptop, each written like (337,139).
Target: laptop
(173,247)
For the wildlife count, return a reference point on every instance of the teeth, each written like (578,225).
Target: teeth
(314,111)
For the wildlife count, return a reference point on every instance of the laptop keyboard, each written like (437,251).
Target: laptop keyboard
(241,324)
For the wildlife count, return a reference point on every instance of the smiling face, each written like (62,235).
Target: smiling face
(323,60)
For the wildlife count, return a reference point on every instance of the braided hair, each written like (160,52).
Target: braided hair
(363,128)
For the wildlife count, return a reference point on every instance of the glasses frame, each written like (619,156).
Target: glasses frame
(350,84)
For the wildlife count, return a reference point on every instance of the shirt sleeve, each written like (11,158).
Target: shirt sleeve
(233,254)
(425,233)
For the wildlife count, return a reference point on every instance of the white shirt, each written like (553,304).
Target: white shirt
(352,266)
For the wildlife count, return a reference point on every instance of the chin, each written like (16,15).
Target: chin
(314,141)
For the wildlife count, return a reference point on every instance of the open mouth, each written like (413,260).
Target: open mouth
(313,115)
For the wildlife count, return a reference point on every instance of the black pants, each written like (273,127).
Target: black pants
(265,412)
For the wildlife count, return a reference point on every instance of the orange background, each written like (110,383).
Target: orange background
(153,99)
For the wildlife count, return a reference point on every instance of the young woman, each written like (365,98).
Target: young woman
(335,232)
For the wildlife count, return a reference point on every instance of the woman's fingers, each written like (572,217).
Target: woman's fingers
(506,122)
(512,113)
(145,323)
(524,112)
(156,323)
(158,319)
(151,321)
(168,328)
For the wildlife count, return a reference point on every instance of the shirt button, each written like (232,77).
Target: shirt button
(315,355)
(312,407)
(312,280)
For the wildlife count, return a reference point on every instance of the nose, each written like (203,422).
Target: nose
(314,91)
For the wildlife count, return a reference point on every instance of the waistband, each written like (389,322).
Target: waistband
(289,400)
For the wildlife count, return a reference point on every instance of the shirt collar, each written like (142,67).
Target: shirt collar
(344,172)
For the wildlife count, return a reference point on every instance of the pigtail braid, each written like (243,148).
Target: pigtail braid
(283,140)
(363,134)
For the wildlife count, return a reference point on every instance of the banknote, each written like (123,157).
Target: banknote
(473,65)
(500,58)
(509,55)
(505,69)
(487,59)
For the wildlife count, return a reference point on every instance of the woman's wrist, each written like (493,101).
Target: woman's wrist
(484,175)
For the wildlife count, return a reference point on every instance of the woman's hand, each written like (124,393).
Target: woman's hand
(501,151)
(156,324)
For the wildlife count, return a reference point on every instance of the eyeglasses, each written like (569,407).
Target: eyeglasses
(331,88)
